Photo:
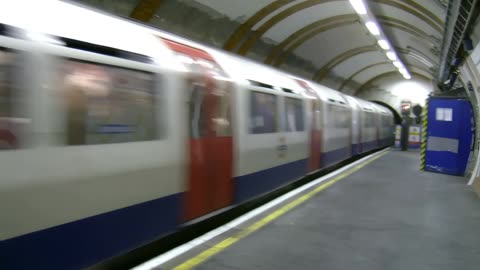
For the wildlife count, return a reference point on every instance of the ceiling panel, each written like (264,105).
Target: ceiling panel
(355,63)
(234,9)
(394,12)
(300,19)
(330,44)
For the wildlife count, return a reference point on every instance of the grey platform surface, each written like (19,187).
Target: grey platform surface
(388,215)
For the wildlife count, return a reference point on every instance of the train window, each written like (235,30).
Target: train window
(263,113)
(294,115)
(340,117)
(198,119)
(367,120)
(12,119)
(370,120)
(222,114)
(107,104)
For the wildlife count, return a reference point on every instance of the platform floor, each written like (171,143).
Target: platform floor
(387,215)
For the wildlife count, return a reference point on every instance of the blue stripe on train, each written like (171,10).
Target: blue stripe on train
(335,156)
(367,146)
(81,243)
(355,149)
(257,183)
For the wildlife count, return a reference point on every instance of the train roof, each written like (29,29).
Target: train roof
(45,20)
(249,72)
(382,109)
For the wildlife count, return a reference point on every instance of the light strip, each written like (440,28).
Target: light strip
(403,70)
(392,56)
(373,28)
(383,44)
(361,7)
(358,6)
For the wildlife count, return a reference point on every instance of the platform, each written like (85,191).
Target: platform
(385,215)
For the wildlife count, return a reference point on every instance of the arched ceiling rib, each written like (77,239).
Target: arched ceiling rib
(384,66)
(287,46)
(251,40)
(324,70)
(247,26)
(360,71)
(417,10)
(389,21)
(300,36)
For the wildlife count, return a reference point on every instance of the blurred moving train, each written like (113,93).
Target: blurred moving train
(114,134)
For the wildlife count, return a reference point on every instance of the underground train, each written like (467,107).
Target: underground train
(113,134)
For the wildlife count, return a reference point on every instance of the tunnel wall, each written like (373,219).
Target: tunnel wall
(470,77)
(393,89)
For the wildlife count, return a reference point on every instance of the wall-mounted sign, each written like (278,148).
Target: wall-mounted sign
(405,106)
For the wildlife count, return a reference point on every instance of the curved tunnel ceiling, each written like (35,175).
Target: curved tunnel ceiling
(408,24)
(327,34)
(393,16)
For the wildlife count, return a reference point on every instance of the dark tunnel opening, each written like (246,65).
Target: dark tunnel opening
(396,115)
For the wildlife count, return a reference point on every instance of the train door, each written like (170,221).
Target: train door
(210,145)
(314,105)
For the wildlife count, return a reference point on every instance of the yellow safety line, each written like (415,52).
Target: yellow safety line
(201,257)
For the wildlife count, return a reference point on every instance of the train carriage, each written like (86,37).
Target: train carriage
(336,126)
(356,125)
(385,125)
(271,132)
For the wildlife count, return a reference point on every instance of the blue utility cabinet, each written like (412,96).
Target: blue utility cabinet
(449,135)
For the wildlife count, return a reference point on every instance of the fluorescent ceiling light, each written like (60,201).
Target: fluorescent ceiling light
(383,44)
(373,28)
(359,6)
(407,76)
(403,70)
(397,64)
(392,56)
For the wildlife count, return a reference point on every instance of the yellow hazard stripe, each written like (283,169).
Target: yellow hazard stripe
(423,145)
(201,257)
